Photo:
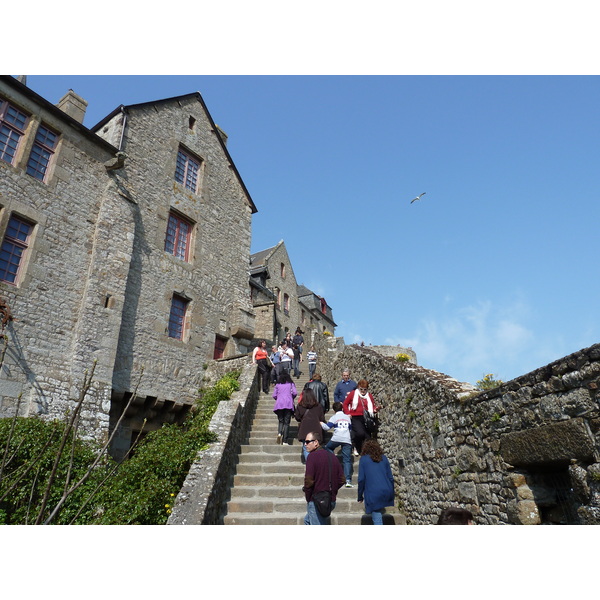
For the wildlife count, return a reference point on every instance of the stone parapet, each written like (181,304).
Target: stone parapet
(203,496)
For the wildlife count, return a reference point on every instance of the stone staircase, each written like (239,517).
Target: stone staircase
(267,486)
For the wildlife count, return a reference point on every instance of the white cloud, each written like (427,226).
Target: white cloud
(474,340)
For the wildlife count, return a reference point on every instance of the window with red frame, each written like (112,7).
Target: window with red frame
(178,238)
(286,303)
(12,129)
(42,152)
(14,245)
(220,343)
(179,306)
(187,171)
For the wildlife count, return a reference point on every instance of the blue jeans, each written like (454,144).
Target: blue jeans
(346,456)
(313,517)
(311,369)
(377,517)
(296,367)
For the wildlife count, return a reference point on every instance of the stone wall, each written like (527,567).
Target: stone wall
(63,324)
(203,497)
(524,453)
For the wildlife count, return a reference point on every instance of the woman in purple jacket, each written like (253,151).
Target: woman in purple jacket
(284,394)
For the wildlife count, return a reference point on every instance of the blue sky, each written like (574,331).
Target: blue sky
(494,270)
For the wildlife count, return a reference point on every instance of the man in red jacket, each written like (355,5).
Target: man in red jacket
(323,472)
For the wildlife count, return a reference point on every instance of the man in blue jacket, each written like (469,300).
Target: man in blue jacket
(343,387)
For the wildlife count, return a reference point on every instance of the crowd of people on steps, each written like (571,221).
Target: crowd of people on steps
(352,427)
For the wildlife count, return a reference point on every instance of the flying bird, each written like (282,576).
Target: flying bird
(418,197)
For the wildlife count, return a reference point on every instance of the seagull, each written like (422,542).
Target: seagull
(418,197)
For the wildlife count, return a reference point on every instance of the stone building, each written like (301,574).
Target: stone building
(281,304)
(125,249)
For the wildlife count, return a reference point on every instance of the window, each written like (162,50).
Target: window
(303,321)
(286,304)
(220,343)
(178,238)
(278,297)
(282,271)
(187,170)
(323,306)
(179,306)
(12,128)
(15,243)
(41,153)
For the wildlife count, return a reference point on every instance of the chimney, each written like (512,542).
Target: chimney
(73,105)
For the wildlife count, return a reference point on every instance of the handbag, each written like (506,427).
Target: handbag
(322,500)
(371,421)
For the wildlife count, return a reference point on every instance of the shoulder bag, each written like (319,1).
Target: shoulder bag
(322,500)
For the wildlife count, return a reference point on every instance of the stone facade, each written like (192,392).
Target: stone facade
(526,452)
(281,304)
(98,282)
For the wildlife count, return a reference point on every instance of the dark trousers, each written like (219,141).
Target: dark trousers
(360,433)
(263,374)
(285,416)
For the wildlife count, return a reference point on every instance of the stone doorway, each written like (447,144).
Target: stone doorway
(554,496)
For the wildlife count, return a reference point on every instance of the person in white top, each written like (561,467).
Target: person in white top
(286,355)
(341,423)
(311,357)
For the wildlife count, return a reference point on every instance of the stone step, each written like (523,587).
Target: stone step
(286,505)
(298,519)
(293,468)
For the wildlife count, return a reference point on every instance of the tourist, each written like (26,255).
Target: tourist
(343,387)
(260,358)
(375,481)
(323,474)
(275,359)
(311,357)
(309,413)
(284,394)
(355,404)
(298,340)
(286,355)
(320,390)
(455,516)
(341,425)
(297,360)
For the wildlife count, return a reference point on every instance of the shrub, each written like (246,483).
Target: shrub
(402,357)
(488,383)
(138,491)
(28,458)
(327,333)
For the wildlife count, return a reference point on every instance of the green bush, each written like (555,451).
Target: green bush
(28,461)
(139,491)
